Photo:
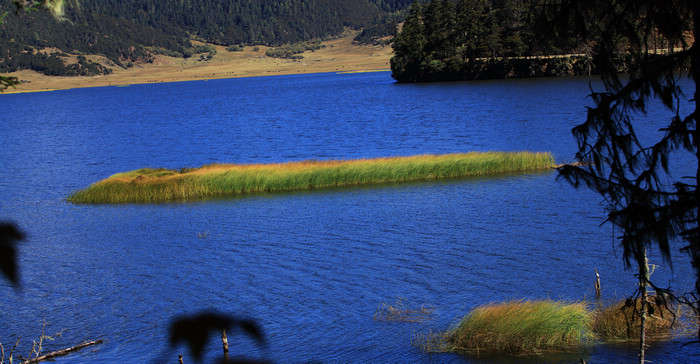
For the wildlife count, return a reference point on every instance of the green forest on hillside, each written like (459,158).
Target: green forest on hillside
(438,40)
(131,31)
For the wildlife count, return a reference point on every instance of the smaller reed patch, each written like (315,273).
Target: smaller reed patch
(621,322)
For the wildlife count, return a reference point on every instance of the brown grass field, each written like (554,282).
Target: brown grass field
(339,55)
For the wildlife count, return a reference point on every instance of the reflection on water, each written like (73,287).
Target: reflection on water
(313,266)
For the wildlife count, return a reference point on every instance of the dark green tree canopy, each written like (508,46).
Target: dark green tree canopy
(446,40)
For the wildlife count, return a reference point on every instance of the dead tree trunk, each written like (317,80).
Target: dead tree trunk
(224,340)
(643,279)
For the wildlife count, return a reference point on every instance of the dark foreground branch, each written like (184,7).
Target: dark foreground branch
(62,352)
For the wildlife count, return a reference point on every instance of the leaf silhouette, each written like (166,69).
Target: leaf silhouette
(9,236)
(197,329)
(251,328)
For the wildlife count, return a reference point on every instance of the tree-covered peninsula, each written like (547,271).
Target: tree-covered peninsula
(448,40)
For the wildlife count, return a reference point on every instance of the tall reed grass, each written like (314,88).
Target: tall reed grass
(154,185)
(522,327)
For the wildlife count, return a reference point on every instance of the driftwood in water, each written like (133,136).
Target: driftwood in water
(62,352)
(597,284)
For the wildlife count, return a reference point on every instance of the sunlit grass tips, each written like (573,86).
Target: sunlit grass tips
(155,185)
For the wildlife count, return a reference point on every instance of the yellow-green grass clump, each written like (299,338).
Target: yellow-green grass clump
(522,327)
(154,185)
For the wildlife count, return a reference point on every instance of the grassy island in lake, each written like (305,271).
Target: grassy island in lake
(522,327)
(535,327)
(155,185)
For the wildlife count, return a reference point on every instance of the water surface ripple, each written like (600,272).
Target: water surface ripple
(311,266)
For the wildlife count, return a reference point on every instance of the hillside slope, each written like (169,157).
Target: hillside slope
(134,32)
(337,55)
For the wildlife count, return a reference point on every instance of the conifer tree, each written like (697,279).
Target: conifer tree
(409,45)
(659,41)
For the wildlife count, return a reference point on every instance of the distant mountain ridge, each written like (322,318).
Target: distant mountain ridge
(131,31)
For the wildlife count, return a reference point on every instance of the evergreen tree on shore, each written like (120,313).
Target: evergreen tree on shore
(444,40)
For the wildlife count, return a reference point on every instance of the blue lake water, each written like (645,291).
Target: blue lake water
(311,267)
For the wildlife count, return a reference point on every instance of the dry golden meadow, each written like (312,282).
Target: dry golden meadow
(338,55)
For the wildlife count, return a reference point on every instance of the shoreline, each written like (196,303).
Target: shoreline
(339,55)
